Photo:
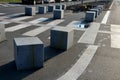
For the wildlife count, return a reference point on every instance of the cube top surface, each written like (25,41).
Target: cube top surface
(29,7)
(27,41)
(63,29)
(58,10)
(94,9)
(90,12)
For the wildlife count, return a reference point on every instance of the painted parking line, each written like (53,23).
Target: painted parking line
(21,26)
(115,38)
(90,34)
(39,30)
(104,21)
(79,67)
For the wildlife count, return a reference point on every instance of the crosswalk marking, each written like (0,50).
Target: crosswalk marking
(21,26)
(90,34)
(2,14)
(115,38)
(79,67)
(21,18)
(38,20)
(42,29)
(17,27)
(4,22)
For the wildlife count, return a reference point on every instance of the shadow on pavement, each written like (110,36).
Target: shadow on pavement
(51,52)
(9,72)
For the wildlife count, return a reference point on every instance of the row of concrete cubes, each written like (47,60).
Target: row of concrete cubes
(93,13)
(30,11)
(29,51)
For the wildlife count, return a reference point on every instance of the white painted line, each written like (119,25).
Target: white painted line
(90,34)
(15,15)
(2,14)
(21,26)
(4,22)
(115,38)
(38,20)
(104,21)
(79,67)
(111,5)
(39,30)
(115,28)
(55,22)
(36,31)
(17,27)
(21,18)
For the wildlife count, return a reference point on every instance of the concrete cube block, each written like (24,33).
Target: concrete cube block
(101,6)
(58,7)
(30,11)
(62,38)
(96,12)
(42,9)
(2,32)
(100,10)
(58,14)
(28,53)
(63,6)
(51,8)
(90,16)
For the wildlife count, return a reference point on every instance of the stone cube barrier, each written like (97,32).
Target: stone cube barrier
(30,11)
(42,9)
(58,14)
(51,8)
(28,53)
(90,16)
(62,38)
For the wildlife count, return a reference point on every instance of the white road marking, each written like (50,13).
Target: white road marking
(79,67)
(4,22)
(17,27)
(111,5)
(21,18)
(115,38)
(2,14)
(21,26)
(104,21)
(39,30)
(38,20)
(90,34)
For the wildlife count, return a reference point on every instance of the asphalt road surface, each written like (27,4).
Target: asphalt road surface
(94,55)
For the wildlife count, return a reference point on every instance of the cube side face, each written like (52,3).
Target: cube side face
(96,13)
(64,6)
(59,7)
(90,16)
(30,11)
(58,39)
(70,40)
(51,8)
(42,10)
(39,55)
(58,14)
(28,56)
(2,32)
